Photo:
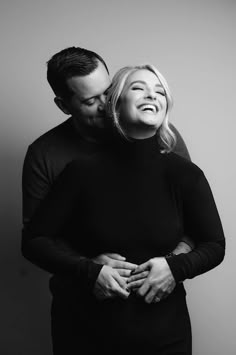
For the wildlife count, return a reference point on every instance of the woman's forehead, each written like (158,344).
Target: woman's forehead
(143,76)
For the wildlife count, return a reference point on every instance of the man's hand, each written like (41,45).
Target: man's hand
(159,282)
(110,284)
(116,261)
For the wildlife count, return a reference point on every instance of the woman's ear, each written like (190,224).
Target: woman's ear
(61,104)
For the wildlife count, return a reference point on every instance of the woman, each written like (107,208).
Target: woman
(144,200)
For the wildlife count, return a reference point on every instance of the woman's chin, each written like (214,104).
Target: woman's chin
(151,124)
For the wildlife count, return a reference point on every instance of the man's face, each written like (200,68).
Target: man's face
(87,104)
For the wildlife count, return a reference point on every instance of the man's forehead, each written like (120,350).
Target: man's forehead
(89,85)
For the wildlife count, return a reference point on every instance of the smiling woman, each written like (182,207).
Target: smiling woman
(143,107)
(146,103)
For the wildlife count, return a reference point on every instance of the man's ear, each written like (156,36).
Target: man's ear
(61,104)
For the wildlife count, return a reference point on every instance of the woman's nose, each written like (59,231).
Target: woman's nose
(150,94)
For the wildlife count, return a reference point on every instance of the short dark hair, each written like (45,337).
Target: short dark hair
(72,61)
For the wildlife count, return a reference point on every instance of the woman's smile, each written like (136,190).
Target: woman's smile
(142,104)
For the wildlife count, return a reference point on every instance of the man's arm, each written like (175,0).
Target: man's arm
(186,244)
(43,251)
(45,247)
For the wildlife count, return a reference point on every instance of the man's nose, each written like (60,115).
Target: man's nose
(102,102)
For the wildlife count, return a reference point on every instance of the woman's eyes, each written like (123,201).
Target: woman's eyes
(142,89)
(137,88)
(161,93)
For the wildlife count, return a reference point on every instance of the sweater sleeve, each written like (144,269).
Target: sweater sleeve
(202,224)
(41,244)
(35,182)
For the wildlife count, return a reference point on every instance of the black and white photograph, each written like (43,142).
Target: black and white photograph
(118,175)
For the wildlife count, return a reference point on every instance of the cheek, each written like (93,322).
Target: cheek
(128,105)
(127,113)
(164,104)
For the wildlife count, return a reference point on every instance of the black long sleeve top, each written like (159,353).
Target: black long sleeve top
(45,160)
(131,200)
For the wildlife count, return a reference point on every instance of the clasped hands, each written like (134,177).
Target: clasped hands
(152,280)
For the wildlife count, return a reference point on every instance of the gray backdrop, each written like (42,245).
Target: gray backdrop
(193,45)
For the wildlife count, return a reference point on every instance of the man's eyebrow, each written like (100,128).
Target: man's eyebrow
(108,88)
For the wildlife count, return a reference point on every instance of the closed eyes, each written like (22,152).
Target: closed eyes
(160,92)
(137,88)
(89,102)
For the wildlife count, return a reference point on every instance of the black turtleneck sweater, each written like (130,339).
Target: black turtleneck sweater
(132,200)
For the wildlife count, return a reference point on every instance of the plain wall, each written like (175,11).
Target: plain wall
(193,45)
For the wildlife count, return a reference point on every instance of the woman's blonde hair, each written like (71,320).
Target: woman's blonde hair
(167,139)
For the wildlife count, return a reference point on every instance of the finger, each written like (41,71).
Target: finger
(135,284)
(144,288)
(124,272)
(138,276)
(116,264)
(156,299)
(115,256)
(151,295)
(120,280)
(135,290)
(163,296)
(120,292)
(141,268)
(120,286)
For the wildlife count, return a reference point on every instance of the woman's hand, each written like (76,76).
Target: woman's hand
(110,284)
(158,284)
(116,261)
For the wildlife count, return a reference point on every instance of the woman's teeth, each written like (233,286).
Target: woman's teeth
(149,107)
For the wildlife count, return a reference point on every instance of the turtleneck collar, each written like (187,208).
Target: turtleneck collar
(138,149)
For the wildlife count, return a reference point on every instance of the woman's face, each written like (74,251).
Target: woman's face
(142,104)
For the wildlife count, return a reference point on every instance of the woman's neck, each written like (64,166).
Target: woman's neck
(140,132)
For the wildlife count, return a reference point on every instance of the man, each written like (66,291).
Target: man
(80,81)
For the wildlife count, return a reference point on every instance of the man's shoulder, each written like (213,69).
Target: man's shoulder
(56,135)
(47,156)
(180,147)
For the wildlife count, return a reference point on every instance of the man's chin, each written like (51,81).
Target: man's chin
(98,123)
(98,126)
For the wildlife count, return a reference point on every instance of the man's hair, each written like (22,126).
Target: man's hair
(167,139)
(72,61)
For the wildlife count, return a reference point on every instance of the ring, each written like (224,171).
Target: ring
(156,299)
